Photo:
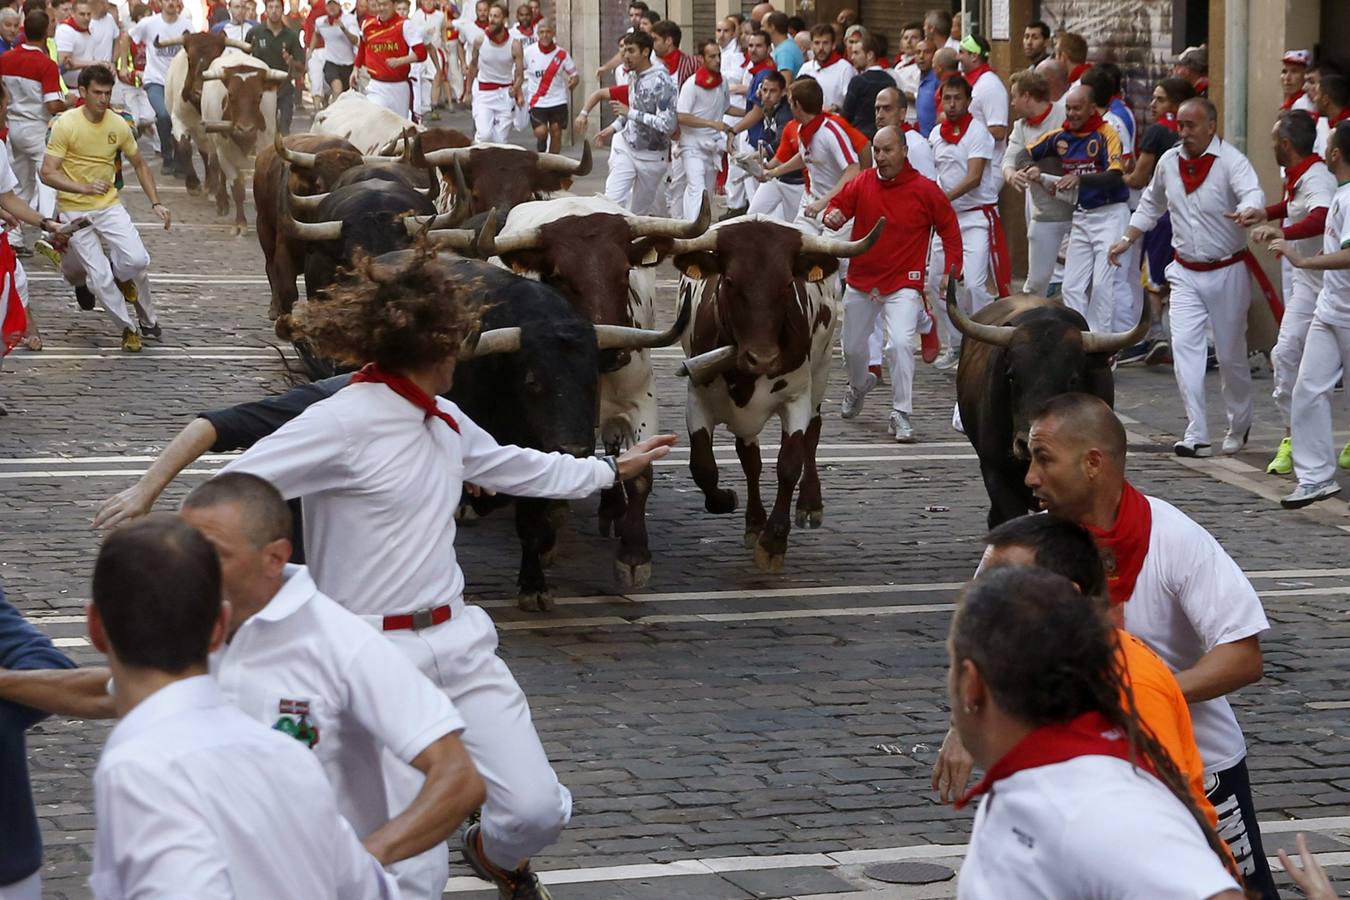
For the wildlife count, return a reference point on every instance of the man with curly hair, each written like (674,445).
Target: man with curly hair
(380,466)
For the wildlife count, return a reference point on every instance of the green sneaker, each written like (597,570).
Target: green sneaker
(1344,459)
(1283,463)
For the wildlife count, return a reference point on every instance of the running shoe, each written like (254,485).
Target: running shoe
(1233,443)
(1191,449)
(131,341)
(1344,459)
(1160,354)
(85,297)
(853,397)
(1304,495)
(901,428)
(50,253)
(1283,463)
(1134,354)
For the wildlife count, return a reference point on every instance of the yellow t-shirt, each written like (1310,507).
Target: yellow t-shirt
(89,150)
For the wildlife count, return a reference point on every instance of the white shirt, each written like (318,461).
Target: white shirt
(537,62)
(732,59)
(834,80)
(1045,206)
(1091,828)
(157,59)
(706,103)
(26,67)
(103,33)
(1189,598)
(907,78)
(8,180)
(468,33)
(989,106)
(1333,302)
(80,46)
(920,155)
(430,24)
(953,164)
(381,486)
(1315,189)
(240,32)
(827,155)
(303,655)
(525,39)
(195,799)
(337,48)
(1200,233)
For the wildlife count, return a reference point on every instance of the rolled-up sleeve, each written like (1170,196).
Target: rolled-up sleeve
(523,472)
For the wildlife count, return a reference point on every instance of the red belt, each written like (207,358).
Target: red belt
(1273,300)
(491,86)
(416,621)
(390,80)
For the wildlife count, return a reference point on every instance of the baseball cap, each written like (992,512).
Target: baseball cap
(1194,58)
(1297,58)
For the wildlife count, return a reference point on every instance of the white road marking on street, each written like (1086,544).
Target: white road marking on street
(134,357)
(170,278)
(952,852)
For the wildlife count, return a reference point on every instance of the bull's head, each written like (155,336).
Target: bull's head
(759,267)
(503,177)
(201,49)
(244,120)
(313,172)
(1047,351)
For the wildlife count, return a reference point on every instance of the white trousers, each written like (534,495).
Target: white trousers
(1129,288)
(774,198)
(700,164)
(1043,243)
(494,115)
(902,317)
(635,177)
(740,186)
(526,807)
(1090,281)
(126,259)
(395,96)
(27,145)
(28,889)
(1326,355)
(1300,299)
(675,182)
(972,293)
(318,88)
(134,101)
(1217,300)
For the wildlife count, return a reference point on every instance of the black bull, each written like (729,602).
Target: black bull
(1018,353)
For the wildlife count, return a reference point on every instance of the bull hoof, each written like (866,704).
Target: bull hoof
(720,502)
(636,575)
(535,601)
(751,540)
(239,229)
(194,188)
(810,518)
(767,561)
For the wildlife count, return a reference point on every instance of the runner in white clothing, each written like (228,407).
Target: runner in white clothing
(702,103)
(1048,217)
(380,467)
(550,76)
(430,22)
(828,67)
(824,150)
(497,74)
(340,34)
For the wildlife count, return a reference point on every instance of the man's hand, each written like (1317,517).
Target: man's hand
(1020,179)
(642,455)
(834,219)
(130,504)
(1119,247)
(518,96)
(952,771)
(1285,248)
(815,208)
(1247,217)
(9,220)
(1310,877)
(619,109)
(1264,234)
(1067,183)
(162,211)
(602,137)
(97,188)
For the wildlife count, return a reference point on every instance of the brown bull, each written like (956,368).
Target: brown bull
(497,176)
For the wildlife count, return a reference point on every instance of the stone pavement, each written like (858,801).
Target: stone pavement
(728,733)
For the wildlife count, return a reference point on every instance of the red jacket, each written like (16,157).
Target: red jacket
(914,208)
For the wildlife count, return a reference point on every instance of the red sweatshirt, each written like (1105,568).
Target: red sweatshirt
(914,207)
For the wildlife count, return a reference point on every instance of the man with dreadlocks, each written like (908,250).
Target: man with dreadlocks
(380,466)
(1088,803)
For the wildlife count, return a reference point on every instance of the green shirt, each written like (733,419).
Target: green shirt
(268,46)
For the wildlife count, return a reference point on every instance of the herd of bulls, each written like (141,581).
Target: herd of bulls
(570,287)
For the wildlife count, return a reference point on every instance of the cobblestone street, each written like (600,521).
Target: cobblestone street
(726,734)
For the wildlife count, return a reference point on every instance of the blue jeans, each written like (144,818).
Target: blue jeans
(155,92)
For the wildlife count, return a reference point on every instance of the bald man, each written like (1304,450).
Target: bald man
(1187,598)
(759,12)
(1055,75)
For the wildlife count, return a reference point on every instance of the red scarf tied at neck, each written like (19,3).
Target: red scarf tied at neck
(73,24)
(481,23)
(1091,125)
(808,131)
(408,390)
(761,66)
(705,79)
(1294,173)
(974,74)
(1035,121)
(1195,171)
(952,132)
(526,30)
(672,61)
(1168,121)
(834,58)
(1078,71)
(1090,734)
(1125,544)
(1292,99)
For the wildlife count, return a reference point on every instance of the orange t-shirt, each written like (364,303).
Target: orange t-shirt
(1162,707)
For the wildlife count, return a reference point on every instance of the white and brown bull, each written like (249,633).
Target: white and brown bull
(602,259)
(371,128)
(239,116)
(766,310)
(183,95)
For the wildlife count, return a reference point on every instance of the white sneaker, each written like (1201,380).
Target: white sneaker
(947,359)
(1191,449)
(900,427)
(1306,494)
(853,397)
(1233,443)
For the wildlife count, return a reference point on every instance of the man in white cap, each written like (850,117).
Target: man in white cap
(1293,75)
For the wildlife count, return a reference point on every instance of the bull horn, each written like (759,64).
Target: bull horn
(705,367)
(313,231)
(704,243)
(620,337)
(565,165)
(217,127)
(297,158)
(446,155)
(1114,341)
(418,224)
(657,226)
(238,45)
(496,245)
(176,41)
(458,239)
(498,340)
(276,76)
(840,248)
(307,202)
(997,335)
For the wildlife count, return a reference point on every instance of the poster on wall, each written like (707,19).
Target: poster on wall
(1134,34)
(999,20)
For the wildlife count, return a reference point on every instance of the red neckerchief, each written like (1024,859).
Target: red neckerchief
(1294,173)
(908,126)
(1195,171)
(906,174)
(1201,85)
(407,389)
(1078,71)
(834,58)
(481,23)
(761,66)
(1089,126)
(1292,99)
(974,74)
(1340,117)
(548,49)
(73,24)
(705,79)
(506,36)
(672,61)
(952,132)
(1035,121)
(808,131)
(528,30)
(1169,121)
(1125,544)
(537,19)
(1090,734)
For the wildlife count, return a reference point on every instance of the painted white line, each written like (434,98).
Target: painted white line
(169,278)
(70,642)
(158,349)
(1328,704)
(35,358)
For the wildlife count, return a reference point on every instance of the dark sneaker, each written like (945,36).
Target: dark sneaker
(1160,354)
(1191,449)
(522,884)
(152,331)
(85,297)
(733,213)
(1134,354)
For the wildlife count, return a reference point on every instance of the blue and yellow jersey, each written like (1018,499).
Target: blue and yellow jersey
(1092,151)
